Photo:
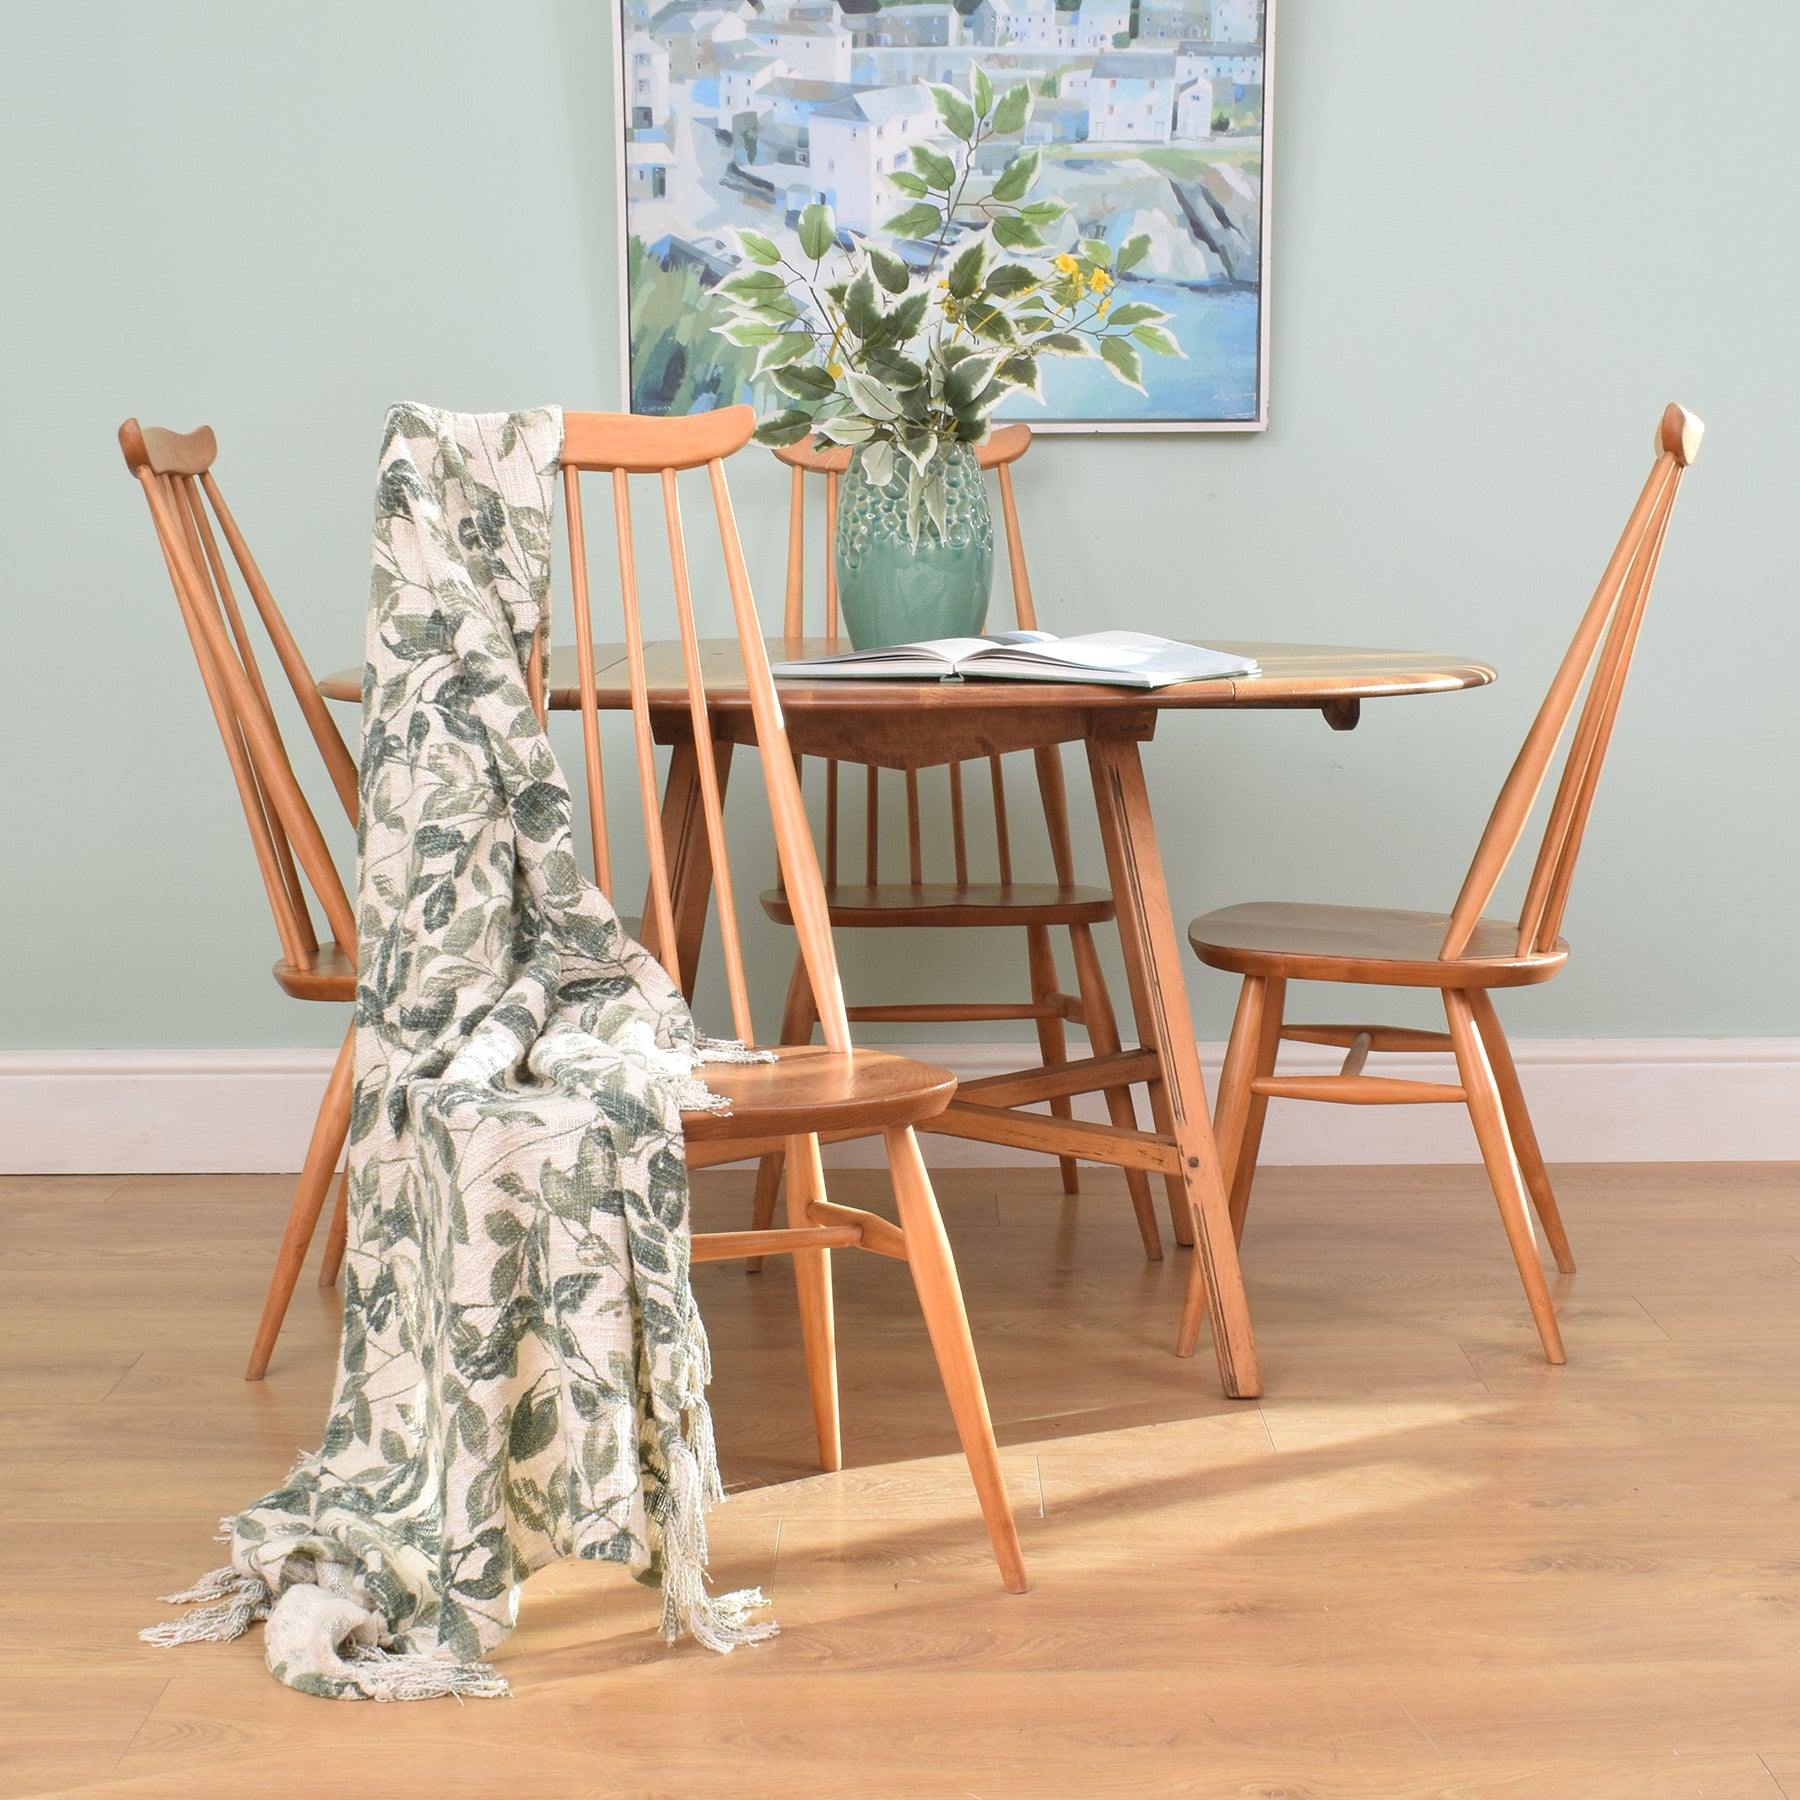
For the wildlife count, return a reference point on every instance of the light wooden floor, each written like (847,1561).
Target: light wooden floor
(1424,1565)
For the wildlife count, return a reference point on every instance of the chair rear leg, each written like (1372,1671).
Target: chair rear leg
(940,1299)
(1519,1126)
(1241,1125)
(337,1233)
(1489,1118)
(1053,1044)
(812,1279)
(1103,1040)
(797,1018)
(329,1131)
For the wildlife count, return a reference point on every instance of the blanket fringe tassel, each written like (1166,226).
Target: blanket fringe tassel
(237,1601)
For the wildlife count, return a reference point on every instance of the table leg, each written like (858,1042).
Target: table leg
(689,855)
(1153,960)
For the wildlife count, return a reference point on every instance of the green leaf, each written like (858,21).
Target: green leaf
(909,183)
(844,428)
(906,318)
(789,347)
(1013,111)
(817,230)
(1136,312)
(1157,341)
(1063,343)
(890,271)
(967,380)
(1098,251)
(1017,234)
(805,381)
(1044,212)
(965,272)
(939,171)
(1123,361)
(1019,370)
(899,372)
(758,248)
(875,399)
(756,286)
(748,334)
(1012,278)
(862,311)
(1133,251)
(1018,175)
(878,464)
(782,428)
(915,222)
(953,109)
(991,323)
(984,92)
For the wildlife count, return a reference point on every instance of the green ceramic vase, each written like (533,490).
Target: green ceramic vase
(893,590)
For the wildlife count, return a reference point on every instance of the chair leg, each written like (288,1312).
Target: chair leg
(1489,1117)
(1103,1040)
(332,1263)
(940,1299)
(1255,1044)
(329,1131)
(1053,1046)
(812,1279)
(1518,1125)
(797,1018)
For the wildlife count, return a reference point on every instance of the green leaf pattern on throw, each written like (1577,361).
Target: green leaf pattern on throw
(523,1368)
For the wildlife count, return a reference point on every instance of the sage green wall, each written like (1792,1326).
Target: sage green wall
(1504,237)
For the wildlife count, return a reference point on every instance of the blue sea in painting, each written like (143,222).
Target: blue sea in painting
(1217,326)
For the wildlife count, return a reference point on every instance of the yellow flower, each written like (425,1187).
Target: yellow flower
(943,284)
(1104,304)
(1100,281)
(1067,264)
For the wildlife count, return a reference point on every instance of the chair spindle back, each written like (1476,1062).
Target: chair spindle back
(175,470)
(1002,448)
(1600,653)
(624,445)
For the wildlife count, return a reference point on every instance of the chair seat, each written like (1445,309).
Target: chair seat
(809,1088)
(939,903)
(1364,944)
(331,975)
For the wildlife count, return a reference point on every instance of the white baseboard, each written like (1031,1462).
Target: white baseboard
(1594,1100)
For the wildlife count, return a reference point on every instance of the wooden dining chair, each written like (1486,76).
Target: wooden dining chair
(1035,907)
(806,1092)
(175,469)
(1462,953)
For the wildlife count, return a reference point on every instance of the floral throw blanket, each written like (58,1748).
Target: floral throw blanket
(523,1369)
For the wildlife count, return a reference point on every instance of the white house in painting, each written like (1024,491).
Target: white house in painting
(813,49)
(1194,110)
(744,71)
(646,81)
(1239,64)
(855,145)
(1131,98)
(1037,25)
(991,23)
(649,172)
(1173,21)
(1237,21)
(1099,22)
(923,26)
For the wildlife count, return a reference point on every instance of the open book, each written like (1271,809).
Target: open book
(1115,658)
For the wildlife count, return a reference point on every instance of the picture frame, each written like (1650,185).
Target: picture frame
(740,112)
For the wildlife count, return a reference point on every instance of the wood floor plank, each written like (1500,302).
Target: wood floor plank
(1425,1566)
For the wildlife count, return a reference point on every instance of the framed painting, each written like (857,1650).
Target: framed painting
(1151,118)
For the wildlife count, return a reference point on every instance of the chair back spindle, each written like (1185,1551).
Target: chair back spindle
(1600,654)
(175,471)
(623,446)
